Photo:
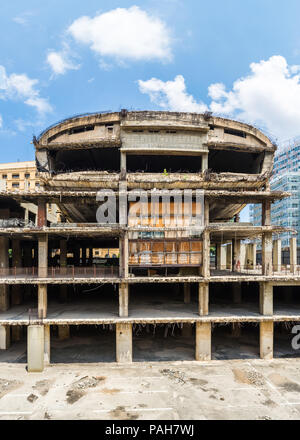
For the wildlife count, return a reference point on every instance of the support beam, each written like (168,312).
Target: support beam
(124,343)
(204,162)
(267,268)
(277,255)
(4,337)
(206,254)
(124,255)
(266,337)
(35,348)
(43,255)
(47,345)
(42,301)
(42,214)
(187,293)
(266,213)
(63,332)
(265,298)
(229,256)
(293,255)
(123,299)
(63,256)
(250,255)
(203,299)
(123,164)
(203,341)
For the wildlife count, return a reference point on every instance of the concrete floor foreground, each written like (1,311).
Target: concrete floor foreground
(241,389)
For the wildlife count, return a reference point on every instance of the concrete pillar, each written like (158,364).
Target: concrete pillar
(266,213)
(265,299)
(267,268)
(4,263)
(266,337)
(237,293)
(42,214)
(187,330)
(123,165)
(123,299)
(203,299)
(47,344)
(229,256)
(43,255)
(203,341)
(206,254)
(187,293)
(218,256)
(236,255)
(124,342)
(204,162)
(293,255)
(42,301)
(277,255)
(63,332)
(206,212)
(35,348)
(124,255)
(4,337)
(250,259)
(236,330)
(16,333)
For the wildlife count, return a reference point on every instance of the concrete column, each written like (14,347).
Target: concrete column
(203,299)
(236,255)
(124,342)
(206,254)
(47,344)
(266,337)
(35,348)
(277,255)
(203,341)
(206,212)
(293,255)
(218,256)
(43,255)
(123,299)
(266,213)
(237,293)
(16,333)
(250,255)
(63,332)
(204,162)
(187,293)
(265,299)
(124,254)
(42,301)
(4,337)
(229,256)
(123,165)
(267,268)
(187,330)
(42,214)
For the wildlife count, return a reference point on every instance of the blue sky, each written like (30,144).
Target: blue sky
(239,58)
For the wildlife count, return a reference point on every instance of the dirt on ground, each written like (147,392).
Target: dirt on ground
(6,386)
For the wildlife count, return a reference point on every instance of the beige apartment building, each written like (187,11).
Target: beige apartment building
(19,175)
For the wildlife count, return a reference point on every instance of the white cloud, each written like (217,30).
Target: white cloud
(21,88)
(268,96)
(124,34)
(171,95)
(23,19)
(60,62)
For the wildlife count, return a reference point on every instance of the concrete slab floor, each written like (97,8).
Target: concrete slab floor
(249,390)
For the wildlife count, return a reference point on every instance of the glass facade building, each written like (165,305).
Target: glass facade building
(286,177)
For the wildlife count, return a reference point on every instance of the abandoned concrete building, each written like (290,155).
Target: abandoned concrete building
(162,293)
